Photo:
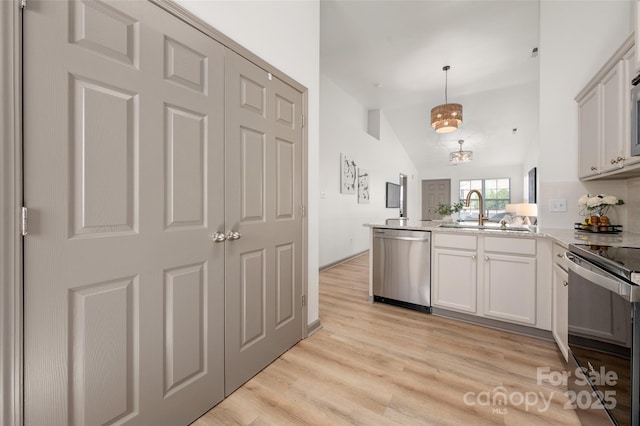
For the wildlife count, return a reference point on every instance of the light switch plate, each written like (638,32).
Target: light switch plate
(558,205)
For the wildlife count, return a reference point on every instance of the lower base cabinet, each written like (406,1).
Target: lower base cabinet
(456,275)
(510,288)
(489,276)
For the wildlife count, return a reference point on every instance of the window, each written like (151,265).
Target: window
(496,194)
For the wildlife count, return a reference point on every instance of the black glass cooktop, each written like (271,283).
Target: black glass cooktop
(623,261)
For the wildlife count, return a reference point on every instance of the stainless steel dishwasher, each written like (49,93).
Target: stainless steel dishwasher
(402,268)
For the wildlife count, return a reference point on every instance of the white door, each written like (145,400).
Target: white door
(123,108)
(263,286)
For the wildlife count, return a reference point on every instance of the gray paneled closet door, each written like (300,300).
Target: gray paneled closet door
(263,186)
(124,179)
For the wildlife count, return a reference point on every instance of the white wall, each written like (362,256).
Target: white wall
(287,35)
(343,129)
(576,39)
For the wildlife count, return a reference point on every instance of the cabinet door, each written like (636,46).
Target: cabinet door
(589,133)
(510,288)
(560,306)
(612,119)
(454,280)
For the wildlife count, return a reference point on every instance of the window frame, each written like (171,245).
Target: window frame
(483,189)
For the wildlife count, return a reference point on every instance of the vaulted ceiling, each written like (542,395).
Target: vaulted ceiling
(389,55)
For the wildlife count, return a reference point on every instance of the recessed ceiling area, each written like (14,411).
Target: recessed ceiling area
(389,55)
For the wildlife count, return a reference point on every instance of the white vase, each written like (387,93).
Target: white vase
(447,218)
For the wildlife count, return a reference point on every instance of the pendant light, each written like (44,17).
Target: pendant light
(447,117)
(460,156)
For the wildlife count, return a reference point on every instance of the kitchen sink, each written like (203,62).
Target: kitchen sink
(487,227)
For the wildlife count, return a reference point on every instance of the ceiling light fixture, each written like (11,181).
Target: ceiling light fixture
(460,156)
(446,118)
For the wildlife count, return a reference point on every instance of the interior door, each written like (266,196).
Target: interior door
(434,192)
(123,108)
(263,286)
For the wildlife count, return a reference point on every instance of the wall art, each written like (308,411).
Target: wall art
(348,174)
(363,186)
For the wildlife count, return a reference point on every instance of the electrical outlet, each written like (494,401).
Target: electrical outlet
(558,205)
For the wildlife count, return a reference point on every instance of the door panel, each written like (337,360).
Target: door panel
(263,286)
(434,192)
(124,175)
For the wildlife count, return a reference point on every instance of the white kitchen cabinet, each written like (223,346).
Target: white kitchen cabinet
(492,276)
(455,275)
(560,301)
(589,134)
(510,288)
(455,279)
(613,120)
(510,279)
(604,118)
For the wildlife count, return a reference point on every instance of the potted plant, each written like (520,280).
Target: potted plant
(446,210)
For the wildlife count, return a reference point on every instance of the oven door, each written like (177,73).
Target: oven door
(602,340)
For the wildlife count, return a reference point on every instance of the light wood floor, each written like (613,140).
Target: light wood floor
(374,364)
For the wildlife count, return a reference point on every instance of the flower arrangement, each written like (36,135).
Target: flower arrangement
(597,204)
(447,209)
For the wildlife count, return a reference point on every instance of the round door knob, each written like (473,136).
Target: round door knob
(620,159)
(233,235)
(594,168)
(218,237)
(565,283)
(613,161)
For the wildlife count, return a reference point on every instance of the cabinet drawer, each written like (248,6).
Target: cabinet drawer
(558,256)
(558,251)
(466,242)
(510,245)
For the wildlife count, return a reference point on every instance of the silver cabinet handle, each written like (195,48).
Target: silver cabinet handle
(565,283)
(486,258)
(218,237)
(613,161)
(594,168)
(233,235)
(473,257)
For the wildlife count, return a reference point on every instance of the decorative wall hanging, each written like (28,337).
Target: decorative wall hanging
(348,174)
(363,186)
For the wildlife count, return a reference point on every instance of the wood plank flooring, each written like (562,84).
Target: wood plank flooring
(375,364)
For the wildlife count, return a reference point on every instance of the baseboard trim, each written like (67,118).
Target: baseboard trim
(314,327)
(341,261)
(491,323)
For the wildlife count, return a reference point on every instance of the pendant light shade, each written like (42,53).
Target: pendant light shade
(460,156)
(447,117)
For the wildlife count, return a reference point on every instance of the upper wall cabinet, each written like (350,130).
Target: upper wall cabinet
(604,119)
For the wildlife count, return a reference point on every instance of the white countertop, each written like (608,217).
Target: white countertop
(562,236)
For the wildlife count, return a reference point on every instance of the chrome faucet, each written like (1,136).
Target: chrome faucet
(481,216)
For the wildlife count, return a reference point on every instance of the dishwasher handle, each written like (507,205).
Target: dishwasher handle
(426,240)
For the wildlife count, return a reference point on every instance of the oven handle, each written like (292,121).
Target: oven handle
(612,284)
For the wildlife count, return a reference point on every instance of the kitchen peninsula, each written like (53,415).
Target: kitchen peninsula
(508,278)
